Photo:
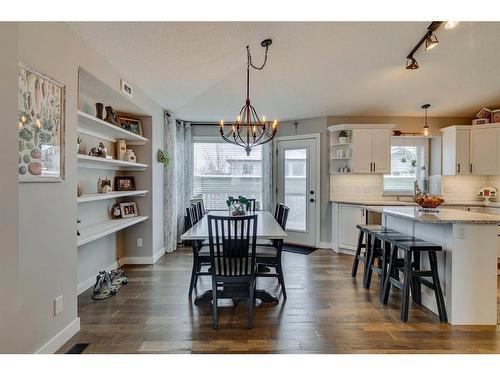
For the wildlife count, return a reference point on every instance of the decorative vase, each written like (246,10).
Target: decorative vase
(343,140)
(110,116)
(121,149)
(238,209)
(98,110)
(130,156)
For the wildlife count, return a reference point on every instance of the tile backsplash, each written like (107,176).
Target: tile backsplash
(370,187)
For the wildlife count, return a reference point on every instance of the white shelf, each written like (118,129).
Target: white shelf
(90,125)
(340,159)
(115,194)
(85,161)
(96,231)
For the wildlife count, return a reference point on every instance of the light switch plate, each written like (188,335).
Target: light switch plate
(461,232)
(139,242)
(58,305)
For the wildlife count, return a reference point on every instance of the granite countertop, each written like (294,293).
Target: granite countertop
(444,216)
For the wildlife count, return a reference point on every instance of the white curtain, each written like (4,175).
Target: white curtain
(267,177)
(169,188)
(183,172)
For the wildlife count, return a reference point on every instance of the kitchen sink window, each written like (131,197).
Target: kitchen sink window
(409,162)
(221,170)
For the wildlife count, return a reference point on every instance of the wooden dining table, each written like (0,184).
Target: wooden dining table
(267,229)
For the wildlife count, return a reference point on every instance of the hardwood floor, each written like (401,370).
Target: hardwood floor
(327,311)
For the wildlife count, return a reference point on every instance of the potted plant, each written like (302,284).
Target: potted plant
(163,157)
(239,206)
(343,136)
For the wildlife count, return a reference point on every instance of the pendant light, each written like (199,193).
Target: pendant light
(426,129)
(249,131)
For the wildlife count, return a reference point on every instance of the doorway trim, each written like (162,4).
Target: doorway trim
(317,139)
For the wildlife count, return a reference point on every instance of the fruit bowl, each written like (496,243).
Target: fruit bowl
(429,202)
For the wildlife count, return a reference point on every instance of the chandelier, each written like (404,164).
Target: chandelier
(249,131)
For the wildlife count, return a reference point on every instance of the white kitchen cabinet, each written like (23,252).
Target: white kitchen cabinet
(371,148)
(494,211)
(471,150)
(456,150)
(484,151)
(381,150)
(348,217)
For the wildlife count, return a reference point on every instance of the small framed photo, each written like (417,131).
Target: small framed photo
(124,183)
(130,124)
(128,209)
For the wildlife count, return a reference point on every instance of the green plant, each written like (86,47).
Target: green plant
(163,157)
(242,200)
(413,163)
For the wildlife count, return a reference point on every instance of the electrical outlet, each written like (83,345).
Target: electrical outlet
(58,305)
(139,242)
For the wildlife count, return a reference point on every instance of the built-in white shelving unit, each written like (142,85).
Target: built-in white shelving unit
(114,194)
(95,231)
(90,125)
(94,162)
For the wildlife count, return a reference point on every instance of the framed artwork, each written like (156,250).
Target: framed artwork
(41,127)
(124,183)
(131,124)
(128,209)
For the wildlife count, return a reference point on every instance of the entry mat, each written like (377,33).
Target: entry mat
(77,348)
(297,249)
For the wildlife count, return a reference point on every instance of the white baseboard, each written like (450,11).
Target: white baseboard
(84,285)
(159,254)
(325,245)
(60,339)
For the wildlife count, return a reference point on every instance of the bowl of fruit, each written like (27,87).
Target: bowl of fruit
(429,203)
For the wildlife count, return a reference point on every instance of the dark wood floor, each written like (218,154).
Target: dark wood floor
(326,312)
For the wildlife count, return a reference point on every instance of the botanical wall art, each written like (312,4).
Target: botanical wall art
(41,127)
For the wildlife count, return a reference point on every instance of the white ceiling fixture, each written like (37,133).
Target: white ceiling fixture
(318,68)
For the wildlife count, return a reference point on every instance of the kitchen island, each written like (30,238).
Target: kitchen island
(467,264)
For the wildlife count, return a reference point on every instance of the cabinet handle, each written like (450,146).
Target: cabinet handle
(470,167)
(373,166)
(371,170)
(458,167)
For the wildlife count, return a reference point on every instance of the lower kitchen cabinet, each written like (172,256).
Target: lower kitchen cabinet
(345,217)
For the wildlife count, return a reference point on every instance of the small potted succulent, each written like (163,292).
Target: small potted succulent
(343,136)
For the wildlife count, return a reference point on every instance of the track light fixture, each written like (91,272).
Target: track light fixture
(431,41)
(411,63)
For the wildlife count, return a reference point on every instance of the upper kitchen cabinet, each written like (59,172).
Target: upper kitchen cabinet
(367,148)
(471,150)
(456,150)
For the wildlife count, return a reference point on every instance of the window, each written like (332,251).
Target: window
(409,162)
(222,169)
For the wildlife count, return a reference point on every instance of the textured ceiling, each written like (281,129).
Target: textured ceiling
(197,69)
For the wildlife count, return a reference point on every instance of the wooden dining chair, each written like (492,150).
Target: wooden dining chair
(201,256)
(270,255)
(232,243)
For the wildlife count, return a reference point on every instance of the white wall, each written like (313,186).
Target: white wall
(47,254)
(9,255)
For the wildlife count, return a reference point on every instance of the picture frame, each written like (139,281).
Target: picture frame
(42,102)
(132,125)
(128,209)
(124,183)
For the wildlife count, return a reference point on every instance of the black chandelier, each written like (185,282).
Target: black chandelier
(249,131)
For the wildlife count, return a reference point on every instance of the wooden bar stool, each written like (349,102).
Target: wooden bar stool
(413,277)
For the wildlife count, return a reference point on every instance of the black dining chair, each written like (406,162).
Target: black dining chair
(232,243)
(270,255)
(201,255)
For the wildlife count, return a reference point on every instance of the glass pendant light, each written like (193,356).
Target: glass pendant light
(426,129)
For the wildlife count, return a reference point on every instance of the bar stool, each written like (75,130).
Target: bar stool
(413,277)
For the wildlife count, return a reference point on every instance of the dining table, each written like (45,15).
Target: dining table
(268,228)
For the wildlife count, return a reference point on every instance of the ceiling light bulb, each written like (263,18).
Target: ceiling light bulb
(426,131)
(450,25)
(411,63)
(431,41)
